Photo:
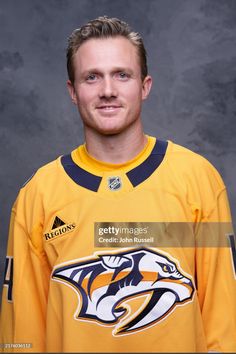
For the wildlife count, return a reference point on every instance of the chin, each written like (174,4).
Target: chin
(111,130)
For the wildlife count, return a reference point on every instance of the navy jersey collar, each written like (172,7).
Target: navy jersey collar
(136,176)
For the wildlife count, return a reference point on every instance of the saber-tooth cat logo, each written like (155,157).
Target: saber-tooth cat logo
(130,290)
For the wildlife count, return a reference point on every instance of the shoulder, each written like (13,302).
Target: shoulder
(42,181)
(193,166)
(44,173)
(181,153)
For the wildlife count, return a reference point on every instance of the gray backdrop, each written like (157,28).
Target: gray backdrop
(191,52)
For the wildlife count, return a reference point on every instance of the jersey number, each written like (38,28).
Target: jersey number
(8,277)
(233,250)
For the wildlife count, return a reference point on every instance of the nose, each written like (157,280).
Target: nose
(108,88)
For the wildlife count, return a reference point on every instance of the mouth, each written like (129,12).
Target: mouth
(108,108)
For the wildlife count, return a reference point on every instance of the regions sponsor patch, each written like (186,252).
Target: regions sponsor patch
(59,228)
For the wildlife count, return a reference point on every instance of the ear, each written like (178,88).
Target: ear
(147,84)
(72,93)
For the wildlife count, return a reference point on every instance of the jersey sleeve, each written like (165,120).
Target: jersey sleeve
(24,298)
(216,279)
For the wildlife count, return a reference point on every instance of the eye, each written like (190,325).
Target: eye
(122,75)
(91,77)
(165,268)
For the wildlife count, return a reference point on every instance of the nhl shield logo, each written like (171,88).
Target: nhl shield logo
(114,183)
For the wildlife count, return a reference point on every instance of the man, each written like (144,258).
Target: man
(123,245)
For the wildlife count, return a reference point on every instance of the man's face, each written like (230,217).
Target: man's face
(108,89)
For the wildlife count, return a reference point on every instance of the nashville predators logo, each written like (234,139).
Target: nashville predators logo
(129,290)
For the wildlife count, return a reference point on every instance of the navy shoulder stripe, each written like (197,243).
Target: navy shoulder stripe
(140,173)
(79,175)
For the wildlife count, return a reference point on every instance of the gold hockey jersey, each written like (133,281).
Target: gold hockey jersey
(135,257)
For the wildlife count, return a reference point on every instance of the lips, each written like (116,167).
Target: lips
(108,109)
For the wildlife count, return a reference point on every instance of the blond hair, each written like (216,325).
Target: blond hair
(104,27)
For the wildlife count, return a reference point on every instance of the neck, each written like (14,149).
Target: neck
(116,148)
